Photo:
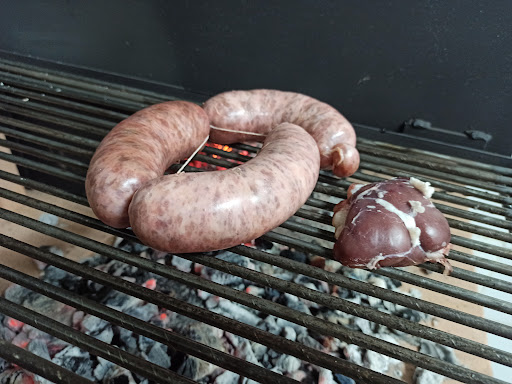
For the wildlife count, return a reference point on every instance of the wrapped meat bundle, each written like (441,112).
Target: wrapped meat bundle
(392,223)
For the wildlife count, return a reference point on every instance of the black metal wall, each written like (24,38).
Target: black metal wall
(380,63)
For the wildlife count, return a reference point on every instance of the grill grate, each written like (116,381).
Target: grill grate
(65,117)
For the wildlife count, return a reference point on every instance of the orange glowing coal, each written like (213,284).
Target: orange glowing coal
(151,284)
(200,164)
(16,324)
(225,148)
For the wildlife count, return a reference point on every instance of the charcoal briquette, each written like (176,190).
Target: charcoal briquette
(158,355)
(342,379)
(294,255)
(263,244)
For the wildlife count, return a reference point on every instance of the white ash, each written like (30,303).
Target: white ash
(50,219)
(287,364)
(289,333)
(227,377)
(181,263)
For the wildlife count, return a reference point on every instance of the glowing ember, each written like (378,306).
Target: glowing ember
(15,324)
(151,284)
(163,316)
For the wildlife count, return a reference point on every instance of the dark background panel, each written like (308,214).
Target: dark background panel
(380,63)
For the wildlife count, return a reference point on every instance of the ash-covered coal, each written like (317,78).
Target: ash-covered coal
(103,371)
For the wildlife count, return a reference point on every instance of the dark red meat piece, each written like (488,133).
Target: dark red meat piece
(391,223)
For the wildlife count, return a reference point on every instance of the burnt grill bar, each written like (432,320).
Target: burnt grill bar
(36,105)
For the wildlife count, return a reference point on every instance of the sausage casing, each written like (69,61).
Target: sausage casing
(138,149)
(198,212)
(260,110)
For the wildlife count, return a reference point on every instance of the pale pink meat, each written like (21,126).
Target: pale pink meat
(138,149)
(260,110)
(199,212)
(391,223)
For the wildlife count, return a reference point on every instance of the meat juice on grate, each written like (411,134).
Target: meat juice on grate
(100,370)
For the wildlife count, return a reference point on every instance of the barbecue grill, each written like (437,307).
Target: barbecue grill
(54,121)
(279,299)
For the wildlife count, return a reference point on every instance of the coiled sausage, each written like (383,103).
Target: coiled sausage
(138,149)
(260,110)
(198,212)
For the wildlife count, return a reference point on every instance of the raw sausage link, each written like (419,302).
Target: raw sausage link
(198,212)
(261,110)
(138,149)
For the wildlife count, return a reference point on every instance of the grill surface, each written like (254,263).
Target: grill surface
(58,120)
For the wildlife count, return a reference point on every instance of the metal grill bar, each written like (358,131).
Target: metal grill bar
(45,142)
(430,159)
(70,92)
(371,290)
(491,265)
(65,103)
(310,322)
(480,262)
(38,365)
(450,187)
(433,285)
(291,265)
(73,124)
(464,294)
(171,339)
(277,343)
(92,345)
(70,138)
(326,235)
(48,169)
(38,186)
(450,198)
(390,168)
(96,108)
(45,155)
(445,165)
(355,309)
(290,288)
